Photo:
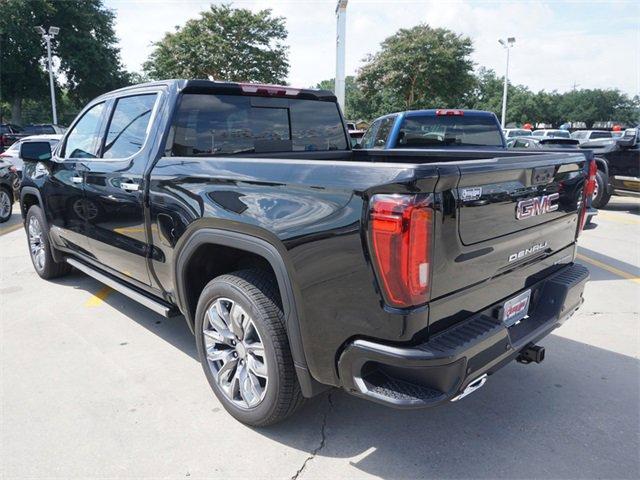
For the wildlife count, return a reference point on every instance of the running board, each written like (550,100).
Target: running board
(157,306)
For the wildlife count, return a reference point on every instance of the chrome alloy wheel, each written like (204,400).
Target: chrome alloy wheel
(35,243)
(235,353)
(5,204)
(596,190)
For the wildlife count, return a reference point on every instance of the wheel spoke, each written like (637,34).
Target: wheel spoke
(237,316)
(219,331)
(215,355)
(256,349)
(226,369)
(249,387)
(257,367)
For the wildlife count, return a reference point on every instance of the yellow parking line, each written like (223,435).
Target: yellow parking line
(10,229)
(618,218)
(609,268)
(99,297)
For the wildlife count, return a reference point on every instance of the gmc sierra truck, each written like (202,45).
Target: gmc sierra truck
(406,277)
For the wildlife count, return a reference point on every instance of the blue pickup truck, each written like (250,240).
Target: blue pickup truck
(441,128)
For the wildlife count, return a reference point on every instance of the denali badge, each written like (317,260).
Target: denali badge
(536,206)
(527,251)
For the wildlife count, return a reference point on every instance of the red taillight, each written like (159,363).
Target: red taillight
(449,112)
(401,241)
(587,192)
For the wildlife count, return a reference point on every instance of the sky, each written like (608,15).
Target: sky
(559,46)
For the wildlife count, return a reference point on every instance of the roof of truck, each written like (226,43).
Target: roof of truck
(237,88)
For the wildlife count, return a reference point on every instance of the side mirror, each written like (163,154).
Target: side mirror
(35,151)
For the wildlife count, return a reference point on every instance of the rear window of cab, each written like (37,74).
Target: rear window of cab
(207,124)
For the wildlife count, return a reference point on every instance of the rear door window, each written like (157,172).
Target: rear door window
(230,124)
(128,126)
(386,124)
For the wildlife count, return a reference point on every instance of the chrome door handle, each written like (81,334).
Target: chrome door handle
(130,187)
(76,179)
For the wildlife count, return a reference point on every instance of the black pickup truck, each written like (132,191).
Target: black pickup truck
(403,276)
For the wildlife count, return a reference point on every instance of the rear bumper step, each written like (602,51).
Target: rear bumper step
(452,363)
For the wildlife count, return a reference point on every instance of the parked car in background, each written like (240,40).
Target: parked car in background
(454,128)
(551,133)
(516,132)
(12,154)
(587,135)
(406,276)
(8,189)
(44,129)
(618,161)
(540,143)
(355,134)
(9,133)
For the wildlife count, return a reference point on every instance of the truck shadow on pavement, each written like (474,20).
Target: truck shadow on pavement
(574,416)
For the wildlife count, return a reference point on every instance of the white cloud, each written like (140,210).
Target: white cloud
(592,45)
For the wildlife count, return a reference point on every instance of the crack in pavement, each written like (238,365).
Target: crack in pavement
(323,439)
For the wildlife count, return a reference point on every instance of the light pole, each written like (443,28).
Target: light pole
(341,27)
(53,31)
(507,46)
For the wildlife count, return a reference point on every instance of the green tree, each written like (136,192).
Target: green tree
(226,44)
(420,67)
(86,52)
(590,106)
(355,107)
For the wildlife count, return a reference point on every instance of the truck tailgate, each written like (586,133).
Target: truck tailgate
(503,224)
(516,194)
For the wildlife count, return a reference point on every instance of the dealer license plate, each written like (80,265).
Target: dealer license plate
(516,308)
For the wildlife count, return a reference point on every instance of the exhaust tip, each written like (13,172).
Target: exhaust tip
(531,354)
(472,387)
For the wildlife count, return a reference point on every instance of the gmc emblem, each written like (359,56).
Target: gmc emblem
(537,206)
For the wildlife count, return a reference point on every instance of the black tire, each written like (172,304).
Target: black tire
(602,198)
(256,293)
(9,196)
(49,268)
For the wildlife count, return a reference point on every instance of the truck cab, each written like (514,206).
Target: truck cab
(441,128)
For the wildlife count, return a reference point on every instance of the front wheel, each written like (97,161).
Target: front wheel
(243,348)
(6,204)
(40,248)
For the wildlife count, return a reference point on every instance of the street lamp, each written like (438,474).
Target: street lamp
(53,31)
(341,28)
(506,45)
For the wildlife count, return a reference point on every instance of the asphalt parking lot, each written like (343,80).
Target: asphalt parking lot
(94,385)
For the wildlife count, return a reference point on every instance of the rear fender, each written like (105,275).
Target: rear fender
(276,255)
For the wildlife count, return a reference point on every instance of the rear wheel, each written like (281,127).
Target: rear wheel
(243,348)
(6,204)
(601,194)
(40,248)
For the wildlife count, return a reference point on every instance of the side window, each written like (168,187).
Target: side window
(84,139)
(369,136)
(128,126)
(383,132)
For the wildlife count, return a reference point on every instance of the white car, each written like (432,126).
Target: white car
(516,132)
(12,154)
(545,133)
(588,135)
